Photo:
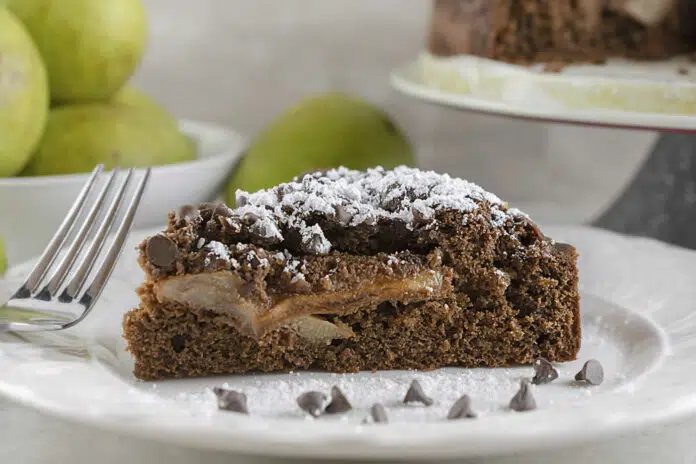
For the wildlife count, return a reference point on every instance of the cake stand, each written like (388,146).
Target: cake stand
(660,201)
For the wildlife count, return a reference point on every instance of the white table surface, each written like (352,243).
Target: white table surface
(202,58)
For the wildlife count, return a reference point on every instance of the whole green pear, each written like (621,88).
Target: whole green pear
(134,97)
(78,137)
(23,95)
(323,131)
(90,47)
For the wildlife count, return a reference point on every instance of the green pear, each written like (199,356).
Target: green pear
(78,137)
(3,258)
(323,131)
(23,95)
(90,47)
(136,98)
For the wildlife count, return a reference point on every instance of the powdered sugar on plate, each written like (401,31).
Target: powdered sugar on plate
(273,396)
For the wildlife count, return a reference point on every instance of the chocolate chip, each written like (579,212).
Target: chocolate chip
(266,232)
(415,394)
(215,209)
(544,372)
(563,249)
(461,409)
(300,285)
(250,218)
(161,251)
(188,213)
(231,400)
(314,242)
(312,402)
(241,198)
(342,215)
(523,399)
(339,403)
(592,372)
(377,415)
(419,215)
(232,225)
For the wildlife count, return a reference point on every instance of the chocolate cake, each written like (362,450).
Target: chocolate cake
(343,271)
(529,31)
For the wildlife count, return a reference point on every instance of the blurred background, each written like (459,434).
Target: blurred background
(240,63)
(243,65)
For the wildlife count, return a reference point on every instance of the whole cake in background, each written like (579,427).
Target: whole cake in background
(530,31)
(344,270)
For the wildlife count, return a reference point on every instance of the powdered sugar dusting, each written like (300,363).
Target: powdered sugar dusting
(354,198)
(218,249)
(266,228)
(314,241)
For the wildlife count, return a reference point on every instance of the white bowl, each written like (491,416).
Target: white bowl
(31,208)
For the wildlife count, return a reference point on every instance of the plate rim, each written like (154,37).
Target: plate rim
(402,79)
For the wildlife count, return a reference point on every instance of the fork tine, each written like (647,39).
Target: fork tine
(112,255)
(51,251)
(78,280)
(78,242)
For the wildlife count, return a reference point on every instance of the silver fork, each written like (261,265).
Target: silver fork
(43,302)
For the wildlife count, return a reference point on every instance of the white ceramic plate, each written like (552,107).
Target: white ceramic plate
(653,95)
(640,324)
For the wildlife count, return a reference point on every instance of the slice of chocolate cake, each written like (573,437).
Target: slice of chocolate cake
(529,31)
(345,271)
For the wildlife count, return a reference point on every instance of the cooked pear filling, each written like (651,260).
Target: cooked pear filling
(256,315)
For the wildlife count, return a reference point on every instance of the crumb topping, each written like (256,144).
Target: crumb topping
(353,198)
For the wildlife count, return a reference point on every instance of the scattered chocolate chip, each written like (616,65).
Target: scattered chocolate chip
(161,251)
(461,409)
(231,400)
(544,372)
(523,399)
(377,415)
(312,402)
(339,403)
(592,372)
(415,394)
